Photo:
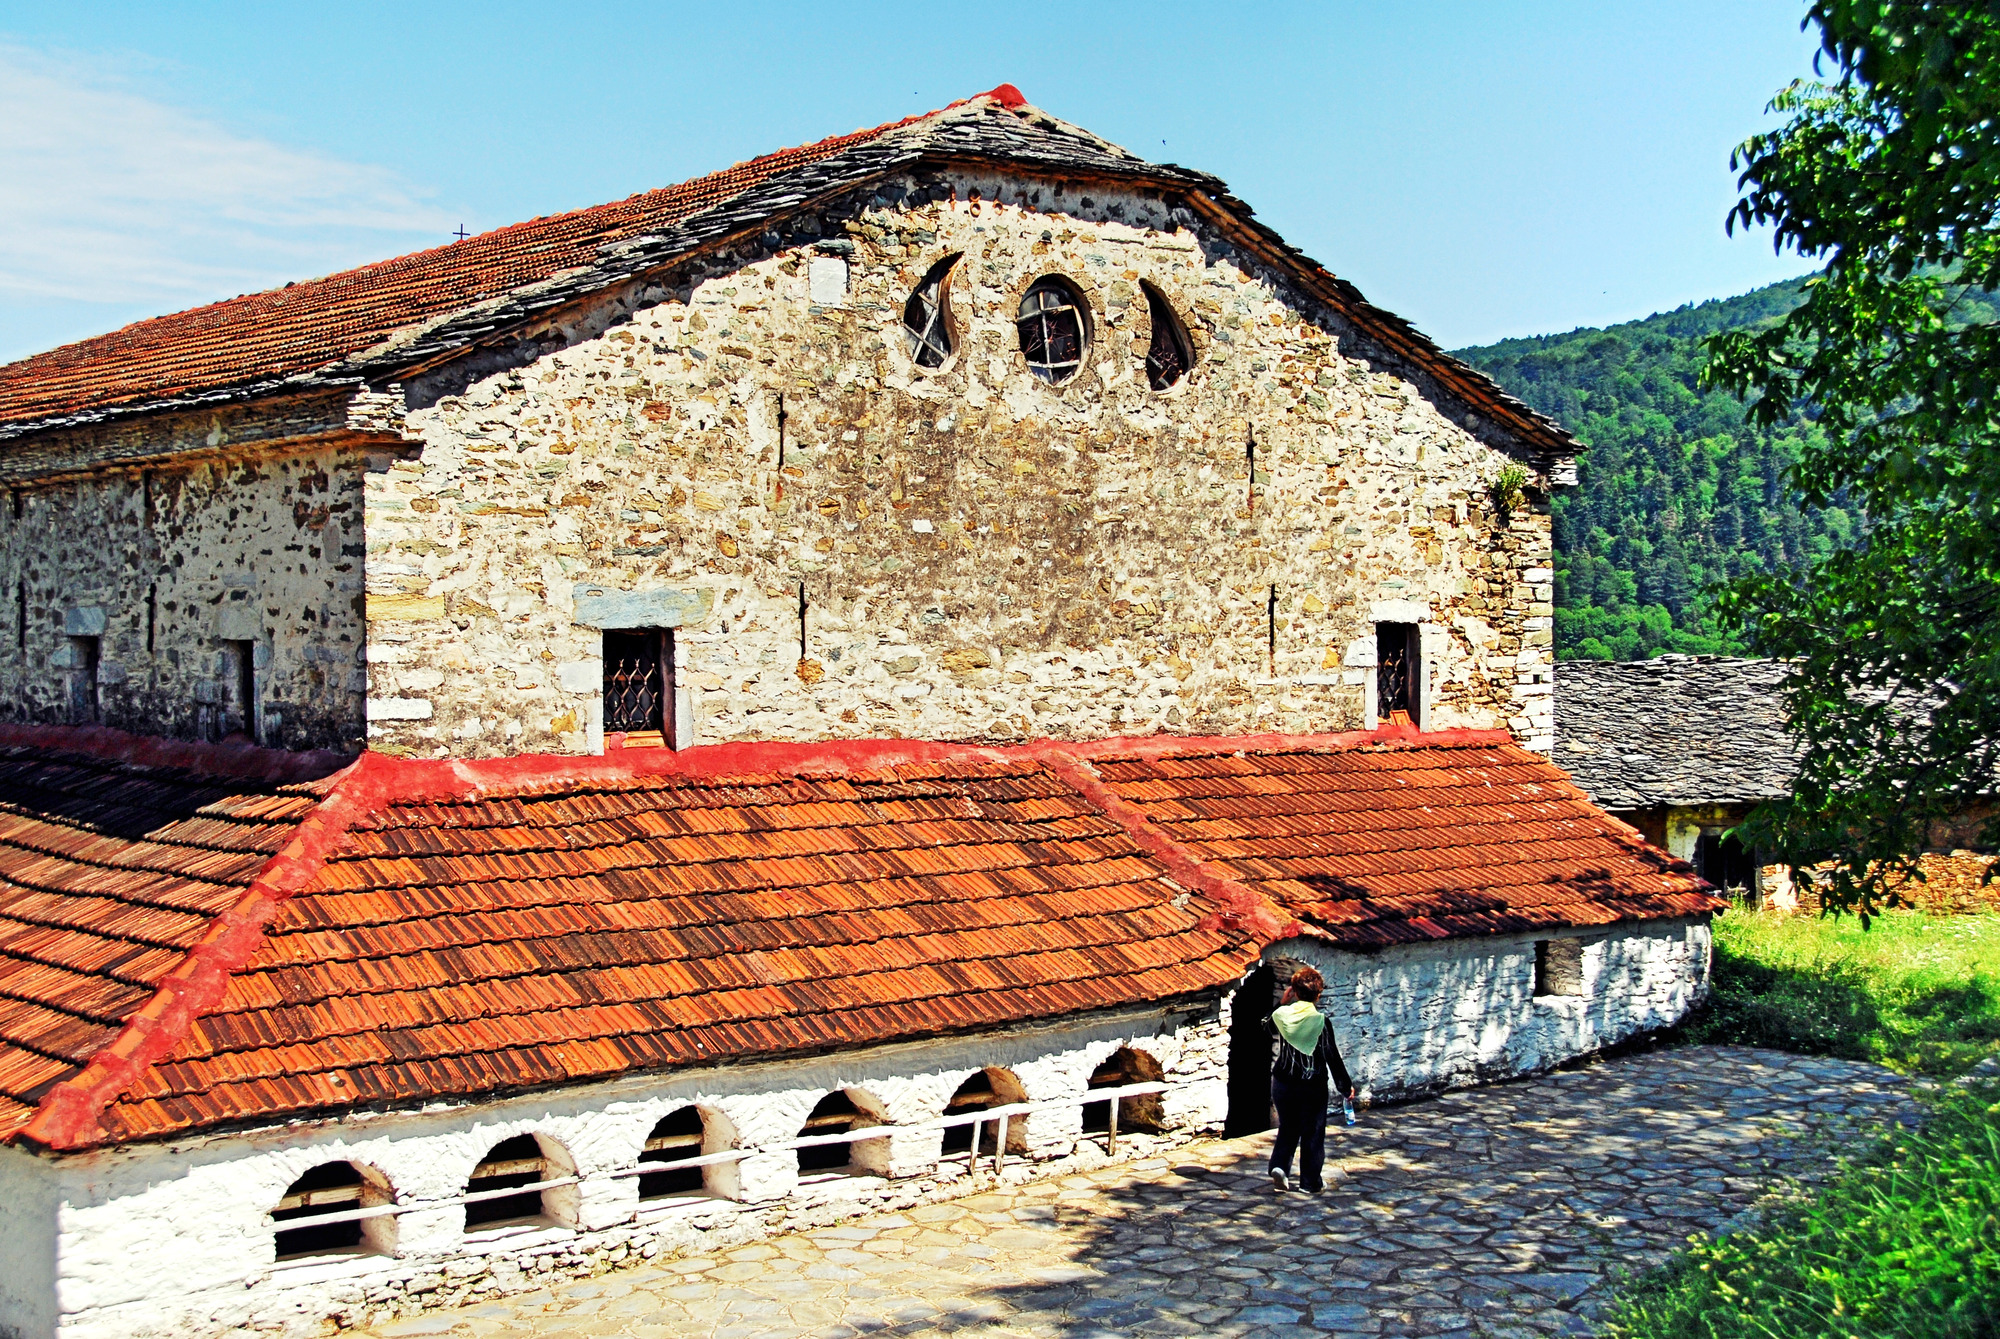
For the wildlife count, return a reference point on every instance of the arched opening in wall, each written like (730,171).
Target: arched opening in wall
(677,1137)
(512,1165)
(334,1189)
(1054,326)
(837,1113)
(989,1088)
(1169,355)
(1126,1066)
(927,315)
(1250,1054)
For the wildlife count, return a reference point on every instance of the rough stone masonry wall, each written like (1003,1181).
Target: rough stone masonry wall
(168,564)
(176,1240)
(982,556)
(1423,1017)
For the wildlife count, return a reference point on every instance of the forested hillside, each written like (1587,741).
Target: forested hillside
(1676,493)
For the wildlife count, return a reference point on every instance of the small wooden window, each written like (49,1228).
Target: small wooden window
(678,1136)
(1398,667)
(639,684)
(84,707)
(328,1189)
(1559,967)
(834,1114)
(1169,356)
(927,315)
(511,1162)
(1054,330)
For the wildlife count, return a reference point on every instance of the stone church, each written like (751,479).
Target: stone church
(778,697)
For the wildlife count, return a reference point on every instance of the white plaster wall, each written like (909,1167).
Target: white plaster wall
(175,1240)
(27,1246)
(1421,1017)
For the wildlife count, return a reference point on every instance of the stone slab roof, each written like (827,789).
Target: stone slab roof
(377,325)
(228,951)
(1675,730)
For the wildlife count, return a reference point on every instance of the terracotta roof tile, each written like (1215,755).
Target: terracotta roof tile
(567,929)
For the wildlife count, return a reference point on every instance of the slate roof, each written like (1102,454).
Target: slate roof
(1373,847)
(379,324)
(433,929)
(1675,730)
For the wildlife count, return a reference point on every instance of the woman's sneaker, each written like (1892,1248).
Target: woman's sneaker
(1279,1181)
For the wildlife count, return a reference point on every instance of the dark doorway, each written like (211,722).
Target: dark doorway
(1721,859)
(1398,662)
(1250,1055)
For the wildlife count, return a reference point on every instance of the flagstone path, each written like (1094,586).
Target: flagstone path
(1498,1211)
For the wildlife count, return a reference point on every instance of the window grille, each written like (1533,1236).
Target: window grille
(1397,666)
(511,1162)
(639,682)
(927,315)
(1052,330)
(677,1137)
(1169,357)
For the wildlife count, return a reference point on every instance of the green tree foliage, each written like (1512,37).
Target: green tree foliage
(1890,178)
(1679,491)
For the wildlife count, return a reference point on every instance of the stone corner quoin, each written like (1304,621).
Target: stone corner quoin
(845,544)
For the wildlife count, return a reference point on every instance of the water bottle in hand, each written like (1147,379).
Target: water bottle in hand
(1347,1108)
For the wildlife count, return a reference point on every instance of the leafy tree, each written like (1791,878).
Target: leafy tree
(1889,176)
(1678,492)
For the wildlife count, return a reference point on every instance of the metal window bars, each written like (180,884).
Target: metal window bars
(634,691)
(1000,1114)
(927,316)
(1168,357)
(1051,329)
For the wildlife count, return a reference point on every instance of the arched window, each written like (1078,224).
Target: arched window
(1126,1066)
(1169,356)
(332,1188)
(520,1161)
(833,1114)
(927,315)
(1054,326)
(678,1136)
(987,1089)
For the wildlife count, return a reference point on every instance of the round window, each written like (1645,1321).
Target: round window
(1054,329)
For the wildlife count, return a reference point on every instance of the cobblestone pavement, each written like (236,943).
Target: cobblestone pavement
(1494,1211)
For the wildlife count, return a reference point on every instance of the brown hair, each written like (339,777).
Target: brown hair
(1307,983)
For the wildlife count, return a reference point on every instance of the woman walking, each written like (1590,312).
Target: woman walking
(1307,1058)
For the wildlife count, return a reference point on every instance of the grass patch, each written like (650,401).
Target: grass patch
(1903,1242)
(1917,993)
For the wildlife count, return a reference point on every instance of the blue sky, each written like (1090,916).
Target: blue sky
(1486,169)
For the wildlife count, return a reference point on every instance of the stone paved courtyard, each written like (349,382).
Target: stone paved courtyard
(1494,1211)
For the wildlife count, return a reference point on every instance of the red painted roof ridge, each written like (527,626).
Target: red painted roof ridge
(67,1116)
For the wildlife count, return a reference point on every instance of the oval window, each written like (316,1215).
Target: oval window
(1054,330)
(927,315)
(1169,356)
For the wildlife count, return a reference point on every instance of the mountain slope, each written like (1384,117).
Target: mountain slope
(1676,491)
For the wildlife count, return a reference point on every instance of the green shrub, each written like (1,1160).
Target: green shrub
(1903,1242)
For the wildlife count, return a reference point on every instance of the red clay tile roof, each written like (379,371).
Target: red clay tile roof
(1388,846)
(375,324)
(449,928)
(110,872)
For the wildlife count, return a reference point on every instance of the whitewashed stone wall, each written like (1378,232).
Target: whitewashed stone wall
(165,565)
(1422,1017)
(175,1240)
(983,556)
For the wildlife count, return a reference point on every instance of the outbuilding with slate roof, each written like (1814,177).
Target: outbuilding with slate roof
(792,694)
